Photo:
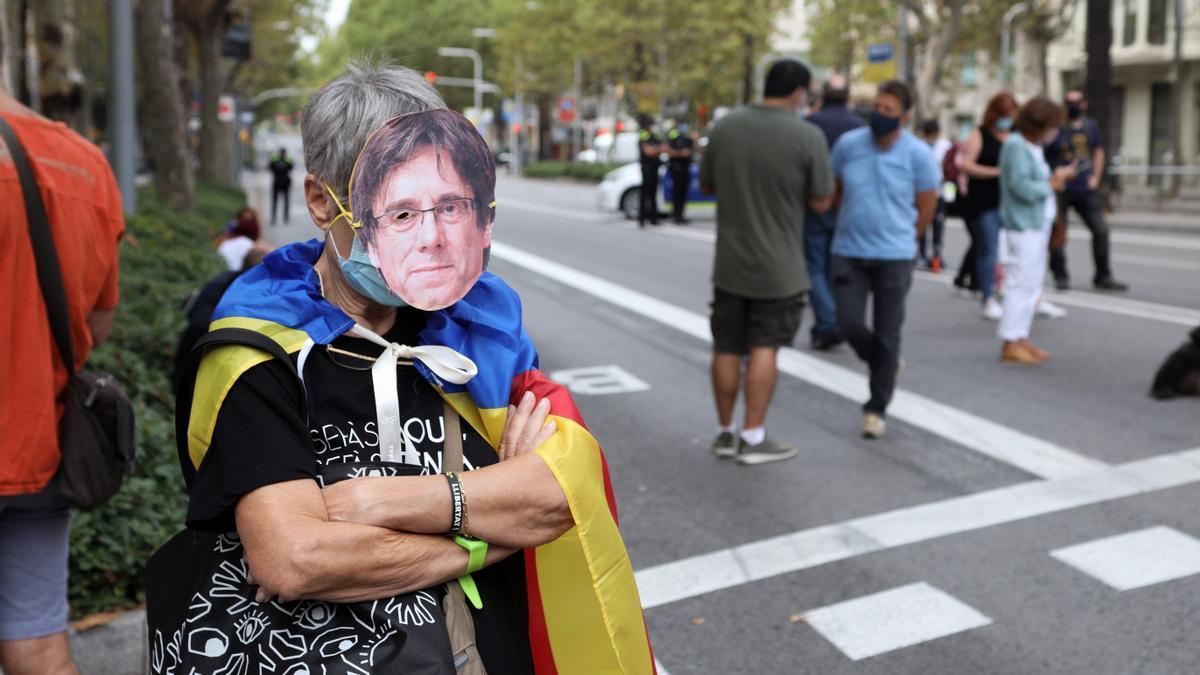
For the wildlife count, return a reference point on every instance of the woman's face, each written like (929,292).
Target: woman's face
(430,259)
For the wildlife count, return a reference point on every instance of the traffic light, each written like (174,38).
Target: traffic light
(431,77)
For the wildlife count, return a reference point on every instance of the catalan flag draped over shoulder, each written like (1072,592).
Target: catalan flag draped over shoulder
(584,613)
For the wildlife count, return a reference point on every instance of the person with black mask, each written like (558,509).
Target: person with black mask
(833,119)
(887,186)
(1079,141)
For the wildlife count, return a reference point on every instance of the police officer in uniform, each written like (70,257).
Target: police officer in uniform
(651,147)
(679,148)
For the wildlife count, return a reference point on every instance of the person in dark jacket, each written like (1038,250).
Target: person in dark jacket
(833,119)
(281,185)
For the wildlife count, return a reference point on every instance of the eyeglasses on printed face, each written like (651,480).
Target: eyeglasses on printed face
(449,213)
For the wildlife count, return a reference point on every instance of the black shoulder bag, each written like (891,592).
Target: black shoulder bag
(95,434)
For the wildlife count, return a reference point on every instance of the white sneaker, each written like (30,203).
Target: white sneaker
(1050,310)
(992,310)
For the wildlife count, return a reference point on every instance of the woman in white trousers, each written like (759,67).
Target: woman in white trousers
(1028,209)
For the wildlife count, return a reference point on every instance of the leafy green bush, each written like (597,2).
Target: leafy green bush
(561,169)
(164,256)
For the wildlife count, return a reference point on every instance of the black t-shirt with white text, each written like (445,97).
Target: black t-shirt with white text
(260,438)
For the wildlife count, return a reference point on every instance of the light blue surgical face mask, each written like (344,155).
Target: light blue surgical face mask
(1004,124)
(363,276)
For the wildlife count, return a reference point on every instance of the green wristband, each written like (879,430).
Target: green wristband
(476,551)
(476,554)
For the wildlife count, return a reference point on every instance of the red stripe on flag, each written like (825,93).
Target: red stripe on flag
(536,381)
(539,635)
(563,405)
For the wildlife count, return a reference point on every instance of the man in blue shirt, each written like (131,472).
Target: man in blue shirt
(887,188)
(833,119)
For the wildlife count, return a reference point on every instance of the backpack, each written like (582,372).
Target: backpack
(950,168)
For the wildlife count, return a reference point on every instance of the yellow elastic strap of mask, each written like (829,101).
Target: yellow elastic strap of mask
(343,213)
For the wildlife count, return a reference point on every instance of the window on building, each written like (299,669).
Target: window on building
(1114,143)
(1160,126)
(1129,33)
(1156,27)
(1196,121)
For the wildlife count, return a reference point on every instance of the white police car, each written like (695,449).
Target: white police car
(621,190)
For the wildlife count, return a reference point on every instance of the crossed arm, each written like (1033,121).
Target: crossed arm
(371,538)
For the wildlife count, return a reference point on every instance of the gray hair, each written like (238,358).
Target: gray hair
(340,117)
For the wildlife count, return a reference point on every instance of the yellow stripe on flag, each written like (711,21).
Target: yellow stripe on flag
(585,577)
(220,369)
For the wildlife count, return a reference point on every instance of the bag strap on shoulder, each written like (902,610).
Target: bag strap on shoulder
(191,368)
(49,273)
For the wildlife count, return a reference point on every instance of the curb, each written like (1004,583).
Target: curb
(118,647)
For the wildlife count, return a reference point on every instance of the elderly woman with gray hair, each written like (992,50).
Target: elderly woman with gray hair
(369,446)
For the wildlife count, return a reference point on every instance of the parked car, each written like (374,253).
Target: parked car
(621,190)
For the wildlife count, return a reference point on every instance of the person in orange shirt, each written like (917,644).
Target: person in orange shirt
(83,207)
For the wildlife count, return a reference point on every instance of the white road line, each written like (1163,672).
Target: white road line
(701,574)
(890,620)
(1029,453)
(1140,309)
(659,667)
(1136,559)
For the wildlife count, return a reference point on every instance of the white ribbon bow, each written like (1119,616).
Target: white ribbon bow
(443,362)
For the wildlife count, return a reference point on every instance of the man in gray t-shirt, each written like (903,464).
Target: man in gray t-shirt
(766,165)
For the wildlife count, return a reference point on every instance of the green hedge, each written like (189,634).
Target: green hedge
(164,256)
(562,169)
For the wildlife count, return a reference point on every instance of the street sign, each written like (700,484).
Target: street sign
(881,63)
(225,108)
(566,109)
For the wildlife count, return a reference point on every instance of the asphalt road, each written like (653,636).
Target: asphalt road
(946,547)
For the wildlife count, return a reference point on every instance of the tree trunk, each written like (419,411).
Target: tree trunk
(933,57)
(1098,81)
(60,80)
(17,44)
(545,109)
(216,137)
(748,82)
(162,108)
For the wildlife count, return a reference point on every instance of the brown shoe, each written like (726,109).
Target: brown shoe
(1041,354)
(1016,352)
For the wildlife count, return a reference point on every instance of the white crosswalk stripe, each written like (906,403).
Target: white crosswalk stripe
(1135,559)
(889,620)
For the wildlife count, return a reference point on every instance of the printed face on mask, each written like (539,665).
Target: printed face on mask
(421,206)
(427,241)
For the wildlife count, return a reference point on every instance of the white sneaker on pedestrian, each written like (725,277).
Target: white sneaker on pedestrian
(1050,310)
(992,310)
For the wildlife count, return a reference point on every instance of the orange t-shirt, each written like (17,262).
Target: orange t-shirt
(83,206)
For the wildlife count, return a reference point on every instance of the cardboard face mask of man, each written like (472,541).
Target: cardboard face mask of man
(422,199)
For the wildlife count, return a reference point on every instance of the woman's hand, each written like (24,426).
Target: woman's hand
(526,427)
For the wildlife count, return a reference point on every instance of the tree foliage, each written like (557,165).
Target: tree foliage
(677,52)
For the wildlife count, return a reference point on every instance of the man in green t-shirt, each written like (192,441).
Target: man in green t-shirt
(766,165)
